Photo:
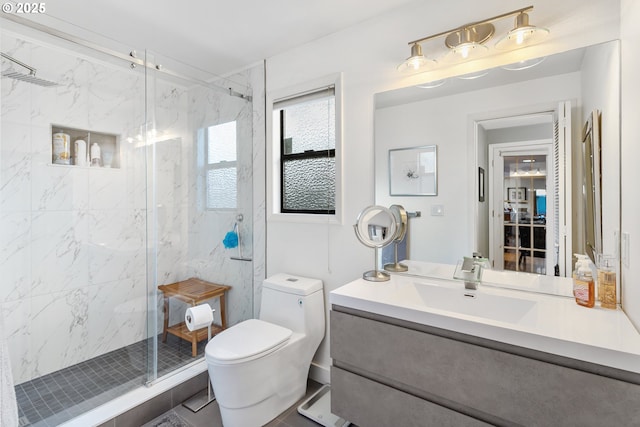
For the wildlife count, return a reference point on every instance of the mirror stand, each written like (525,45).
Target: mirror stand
(401,217)
(376,275)
(375,228)
(396,266)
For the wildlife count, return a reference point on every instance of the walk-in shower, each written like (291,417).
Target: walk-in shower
(83,249)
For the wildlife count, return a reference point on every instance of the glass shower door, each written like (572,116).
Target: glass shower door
(199,156)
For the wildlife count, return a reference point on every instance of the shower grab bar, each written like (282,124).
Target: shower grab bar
(236,227)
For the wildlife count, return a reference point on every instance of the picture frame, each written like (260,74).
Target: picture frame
(413,171)
(517,194)
(480,184)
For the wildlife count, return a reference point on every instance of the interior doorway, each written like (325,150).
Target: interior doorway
(523,214)
(521,229)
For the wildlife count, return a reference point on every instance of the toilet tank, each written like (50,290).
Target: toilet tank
(294,302)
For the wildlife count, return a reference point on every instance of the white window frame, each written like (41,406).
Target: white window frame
(273,153)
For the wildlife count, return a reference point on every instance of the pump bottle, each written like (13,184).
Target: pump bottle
(583,285)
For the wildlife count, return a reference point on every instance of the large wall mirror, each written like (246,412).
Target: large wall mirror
(511,166)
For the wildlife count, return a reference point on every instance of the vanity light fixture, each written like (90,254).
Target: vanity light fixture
(416,61)
(469,41)
(522,34)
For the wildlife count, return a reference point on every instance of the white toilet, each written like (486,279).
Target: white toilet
(259,367)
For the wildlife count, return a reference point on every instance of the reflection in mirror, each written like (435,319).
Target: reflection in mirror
(530,119)
(402,220)
(591,193)
(376,227)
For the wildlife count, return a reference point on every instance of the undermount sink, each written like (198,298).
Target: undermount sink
(474,303)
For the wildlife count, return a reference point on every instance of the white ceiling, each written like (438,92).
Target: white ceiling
(215,35)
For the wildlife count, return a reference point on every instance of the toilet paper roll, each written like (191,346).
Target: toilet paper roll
(198,317)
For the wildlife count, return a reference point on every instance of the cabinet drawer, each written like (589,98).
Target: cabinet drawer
(510,387)
(368,403)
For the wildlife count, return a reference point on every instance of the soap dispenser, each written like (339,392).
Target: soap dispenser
(583,285)
(607,281)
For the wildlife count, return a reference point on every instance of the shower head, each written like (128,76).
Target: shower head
(29,78)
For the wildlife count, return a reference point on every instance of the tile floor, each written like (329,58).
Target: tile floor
(49,400)
(209,416)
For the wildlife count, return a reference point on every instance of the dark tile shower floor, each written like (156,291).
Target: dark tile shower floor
(54,398)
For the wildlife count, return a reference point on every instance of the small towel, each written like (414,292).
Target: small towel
(8,403)
(388,252)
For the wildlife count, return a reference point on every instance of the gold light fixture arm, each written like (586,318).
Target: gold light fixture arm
(484,21)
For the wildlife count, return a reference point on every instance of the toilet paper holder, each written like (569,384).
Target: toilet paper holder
(200,400)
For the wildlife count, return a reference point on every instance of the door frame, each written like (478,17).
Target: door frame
(496,201)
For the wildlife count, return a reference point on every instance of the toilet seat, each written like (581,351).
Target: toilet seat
(246,341)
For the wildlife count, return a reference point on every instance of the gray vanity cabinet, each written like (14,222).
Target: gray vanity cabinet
(388,372)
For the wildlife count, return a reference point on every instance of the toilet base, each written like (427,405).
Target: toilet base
(261,413)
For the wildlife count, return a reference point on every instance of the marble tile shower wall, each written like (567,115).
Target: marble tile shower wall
(72,240)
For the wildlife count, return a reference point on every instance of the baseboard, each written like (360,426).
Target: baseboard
(319,373)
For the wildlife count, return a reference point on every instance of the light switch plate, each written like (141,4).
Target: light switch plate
(437,210)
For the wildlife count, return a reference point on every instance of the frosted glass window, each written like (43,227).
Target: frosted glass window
(306,126)
(221,167)
(310,126)
(219,181)
(310,184)
(222,143)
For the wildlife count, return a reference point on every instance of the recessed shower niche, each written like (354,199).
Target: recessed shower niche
(84,148)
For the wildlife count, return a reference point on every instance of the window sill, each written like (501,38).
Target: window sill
(305,218)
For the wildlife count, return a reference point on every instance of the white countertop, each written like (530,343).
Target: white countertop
(548,323)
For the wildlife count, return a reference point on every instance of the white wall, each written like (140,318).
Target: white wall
(630,13)
(367,54)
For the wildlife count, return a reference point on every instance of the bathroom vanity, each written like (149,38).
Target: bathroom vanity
(415,351)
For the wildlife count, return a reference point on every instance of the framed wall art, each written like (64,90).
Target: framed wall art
(517,194)
(413,171)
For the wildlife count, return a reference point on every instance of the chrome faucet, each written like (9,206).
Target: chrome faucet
(470,271)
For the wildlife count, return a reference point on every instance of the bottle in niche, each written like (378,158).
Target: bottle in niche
(95,155)
(61,148)
(80,156)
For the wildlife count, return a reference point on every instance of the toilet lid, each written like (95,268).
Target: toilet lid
(246,339)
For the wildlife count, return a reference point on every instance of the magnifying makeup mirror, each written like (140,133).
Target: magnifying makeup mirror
(376,227)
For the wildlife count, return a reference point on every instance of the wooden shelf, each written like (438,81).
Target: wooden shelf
(181,330)
(193,291)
